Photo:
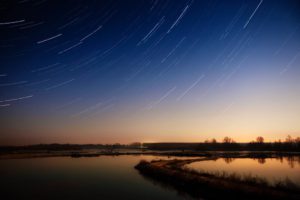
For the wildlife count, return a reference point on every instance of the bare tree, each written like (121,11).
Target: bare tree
(214,141)
(260,139)
(228,140)
(289,139)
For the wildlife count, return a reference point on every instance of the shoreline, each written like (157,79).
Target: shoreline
(87,153)
(172,174)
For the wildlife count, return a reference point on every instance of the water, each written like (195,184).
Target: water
(104,177)
(114,177)
(272,169)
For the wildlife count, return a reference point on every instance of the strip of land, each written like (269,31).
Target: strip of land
(21,154)
(173,174)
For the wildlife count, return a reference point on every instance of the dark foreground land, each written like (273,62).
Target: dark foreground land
(173,174)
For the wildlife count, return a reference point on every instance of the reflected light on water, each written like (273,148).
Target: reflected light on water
(272,169)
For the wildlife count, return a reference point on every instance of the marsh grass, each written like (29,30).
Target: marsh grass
(248,178)
(219,184)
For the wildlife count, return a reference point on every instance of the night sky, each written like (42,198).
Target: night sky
(148,70)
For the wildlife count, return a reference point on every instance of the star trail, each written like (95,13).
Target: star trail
(148,70)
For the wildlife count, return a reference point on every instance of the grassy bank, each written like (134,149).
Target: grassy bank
(189,182)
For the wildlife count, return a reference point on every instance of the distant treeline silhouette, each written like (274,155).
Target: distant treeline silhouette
(228,144)
(70,147)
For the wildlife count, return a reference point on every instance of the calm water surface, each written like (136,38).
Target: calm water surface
(273,169)
(104,177)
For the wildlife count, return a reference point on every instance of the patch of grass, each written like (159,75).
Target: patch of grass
(249,179)
(215,185)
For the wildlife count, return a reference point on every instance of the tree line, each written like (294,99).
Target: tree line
(229,144)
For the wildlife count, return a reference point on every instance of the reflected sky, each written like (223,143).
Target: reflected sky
(104,177)
(273,169)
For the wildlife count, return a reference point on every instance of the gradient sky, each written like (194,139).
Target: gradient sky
(152,70)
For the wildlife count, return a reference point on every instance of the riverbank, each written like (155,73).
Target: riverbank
(97,153)
(173,174)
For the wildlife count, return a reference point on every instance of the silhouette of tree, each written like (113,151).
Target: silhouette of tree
(228,140)
(214,141)
(260,139)
(289,139)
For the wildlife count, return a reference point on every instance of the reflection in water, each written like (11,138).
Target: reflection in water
(228,160)
(261,160)
(104,177)
(272,169)
(291,160)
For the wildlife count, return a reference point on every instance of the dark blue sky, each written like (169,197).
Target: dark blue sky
(122,71)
